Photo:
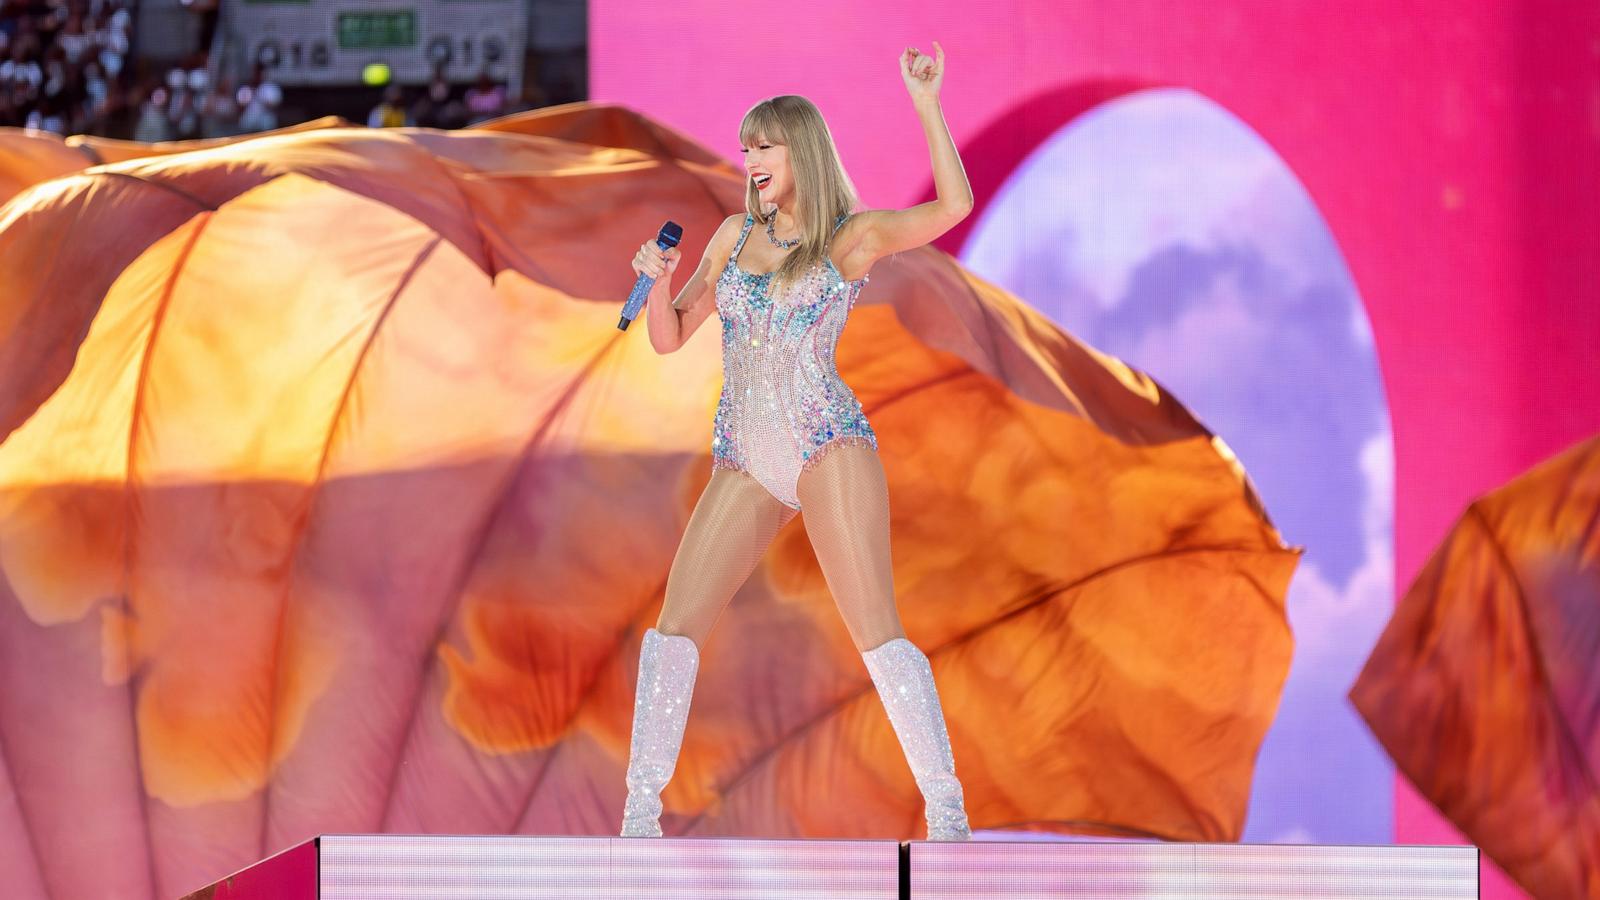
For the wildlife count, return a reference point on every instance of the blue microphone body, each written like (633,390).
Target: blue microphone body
(669,236)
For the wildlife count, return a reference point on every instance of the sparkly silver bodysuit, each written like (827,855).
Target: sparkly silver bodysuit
(783,404)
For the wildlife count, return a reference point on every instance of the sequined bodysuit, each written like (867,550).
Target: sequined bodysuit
(783,404)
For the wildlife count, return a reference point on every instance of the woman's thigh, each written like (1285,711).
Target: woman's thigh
(733,522)
(845,501)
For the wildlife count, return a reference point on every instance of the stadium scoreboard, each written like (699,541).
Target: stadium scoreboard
(331,42)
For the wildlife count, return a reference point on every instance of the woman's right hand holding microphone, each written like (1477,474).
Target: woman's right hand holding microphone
(651,260)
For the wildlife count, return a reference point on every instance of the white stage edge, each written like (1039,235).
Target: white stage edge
(1150,871)
(450,867)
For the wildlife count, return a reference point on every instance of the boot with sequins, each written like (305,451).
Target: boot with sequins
(904,680)
(667,666)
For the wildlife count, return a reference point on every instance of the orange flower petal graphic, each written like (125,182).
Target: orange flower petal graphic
(331,499)
(1485,686)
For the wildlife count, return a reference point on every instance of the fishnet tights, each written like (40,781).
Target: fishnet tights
(846,501)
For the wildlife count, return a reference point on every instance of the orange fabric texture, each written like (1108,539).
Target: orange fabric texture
(1485,687)
(332,500)
(29,157)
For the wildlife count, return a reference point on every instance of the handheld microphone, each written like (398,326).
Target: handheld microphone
(671,234)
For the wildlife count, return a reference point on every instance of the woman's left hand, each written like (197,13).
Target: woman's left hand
(922,73)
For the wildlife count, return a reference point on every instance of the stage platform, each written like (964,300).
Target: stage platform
(449,867)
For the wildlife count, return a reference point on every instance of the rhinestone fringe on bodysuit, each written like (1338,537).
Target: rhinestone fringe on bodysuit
(783,404)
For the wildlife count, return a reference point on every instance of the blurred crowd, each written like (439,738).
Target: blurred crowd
(67,66)
(188,105)
(62,63)
(435,105)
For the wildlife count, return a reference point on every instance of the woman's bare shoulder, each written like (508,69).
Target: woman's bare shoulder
(726,234)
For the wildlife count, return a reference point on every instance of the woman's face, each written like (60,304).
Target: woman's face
(767,164)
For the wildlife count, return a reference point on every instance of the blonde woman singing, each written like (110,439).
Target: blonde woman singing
(789,433)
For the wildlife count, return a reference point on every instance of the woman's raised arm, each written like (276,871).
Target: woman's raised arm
(880,232)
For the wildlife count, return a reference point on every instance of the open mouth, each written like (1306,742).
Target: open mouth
(762,181)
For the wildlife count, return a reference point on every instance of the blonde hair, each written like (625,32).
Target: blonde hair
(822,190)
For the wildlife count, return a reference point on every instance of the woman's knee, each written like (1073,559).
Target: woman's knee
(874,631)
(689,629)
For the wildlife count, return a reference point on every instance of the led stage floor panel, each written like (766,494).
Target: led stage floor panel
(1158,871)
(510,867)
(461,867)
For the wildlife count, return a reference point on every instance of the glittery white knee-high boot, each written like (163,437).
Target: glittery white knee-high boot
(667,667)
(904,680)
